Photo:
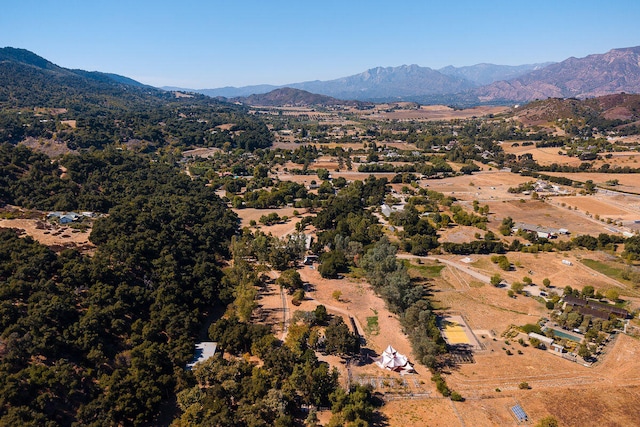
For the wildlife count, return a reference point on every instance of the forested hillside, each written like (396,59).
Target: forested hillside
(83,109)
(103,340)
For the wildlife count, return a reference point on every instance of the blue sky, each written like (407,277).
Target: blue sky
(209,44)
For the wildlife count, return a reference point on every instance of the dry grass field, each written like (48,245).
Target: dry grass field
(548,155)
(566,390)
(483,186)
(558,386)
(427,112)
(628,182)
(56,237)
(549,213)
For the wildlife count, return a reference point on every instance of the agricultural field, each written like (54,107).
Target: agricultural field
(461,291)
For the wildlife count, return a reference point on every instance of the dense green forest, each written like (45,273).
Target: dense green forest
(103,340)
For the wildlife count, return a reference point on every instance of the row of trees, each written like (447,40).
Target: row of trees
(390,280)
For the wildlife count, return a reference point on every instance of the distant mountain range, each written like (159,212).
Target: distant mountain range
(595,75)
(406,82)
(600,74)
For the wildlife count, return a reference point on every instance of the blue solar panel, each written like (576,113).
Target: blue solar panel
(519,413)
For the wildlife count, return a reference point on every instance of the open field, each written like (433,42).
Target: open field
(427,112)
(490,380)
(549,213)
(548,155)
(54,236)
(280,229)
(544,156)
(627,181)
(412,401)
(482,186)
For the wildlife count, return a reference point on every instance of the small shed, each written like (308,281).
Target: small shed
(557,348)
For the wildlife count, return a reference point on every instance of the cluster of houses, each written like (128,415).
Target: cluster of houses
(68,217)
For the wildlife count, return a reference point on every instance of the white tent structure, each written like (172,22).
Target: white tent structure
(392,360)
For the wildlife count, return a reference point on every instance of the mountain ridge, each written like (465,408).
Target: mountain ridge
(615,71)
(419,81)
(287,96)
(26,57)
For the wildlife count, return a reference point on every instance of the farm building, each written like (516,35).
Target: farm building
(574,301)
(63,218)
(545,340)
(595,308)
(386,210)
(543,232)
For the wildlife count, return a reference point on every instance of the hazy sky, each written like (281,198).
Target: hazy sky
(215,43)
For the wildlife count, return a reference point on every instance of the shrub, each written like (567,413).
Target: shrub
(531,327)
(456,397)
(298,296)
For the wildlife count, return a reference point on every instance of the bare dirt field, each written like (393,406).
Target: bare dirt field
(430,112)
(482,186)
(558,387)
(611,385)
(56,237)
(606,207)
(280,229)
(628,181)
(547,214)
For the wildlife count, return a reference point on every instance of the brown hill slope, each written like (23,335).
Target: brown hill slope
(595,75)
(293,97)
(618,109)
